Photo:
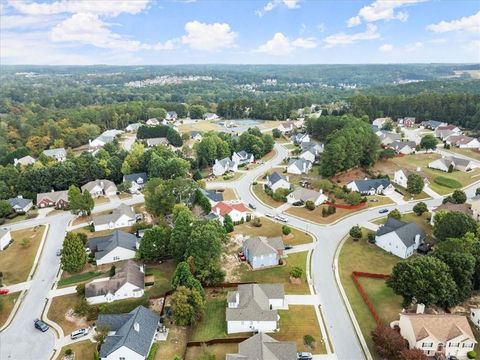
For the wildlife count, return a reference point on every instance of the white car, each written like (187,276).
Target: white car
(281,218)
(79,333)
(270,215)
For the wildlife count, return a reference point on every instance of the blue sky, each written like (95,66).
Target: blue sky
(238,32)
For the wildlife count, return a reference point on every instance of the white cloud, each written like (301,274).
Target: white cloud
(101,7)
(386,48)
(464,24)
(346,39)
(414,46)
(26,21)
(210,37)
(280,45)
(290,4)
(382,10)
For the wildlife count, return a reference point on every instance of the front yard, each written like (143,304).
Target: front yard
(422,221)
(7,302)
(82,350)
(17,260)
(218,350)
(264,197)
(471,153)
(59,308)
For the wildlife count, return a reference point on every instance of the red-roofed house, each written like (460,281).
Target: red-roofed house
(237,211)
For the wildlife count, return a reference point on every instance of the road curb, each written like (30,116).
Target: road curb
(39,253)
(14,311)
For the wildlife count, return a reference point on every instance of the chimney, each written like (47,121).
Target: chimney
(420,308)
(20,196)
(417,240)
(15,161)
(136,327)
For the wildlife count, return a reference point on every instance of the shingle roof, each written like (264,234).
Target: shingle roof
(225,208)
(20,202)
(367,185)
(263,347)
(226,162)
(103,184)
(299,163)
(125,332)
(262,245)
(3,232)
(102,245)
(275,177)
(55,152)
(304,194)
(405,231)
(122,209)
(213,195)
(54,196)
(134,177)
(464,208)
(399,145)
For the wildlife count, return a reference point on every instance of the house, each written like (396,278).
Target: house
(157,141)
(276,181)
(58,154)
(445,131)
(242,157)
(475,316)
(286,127)
(236,210)
(130,335)
(171,115)
(381,121)
(308,154)
(474,203)
(448,206)
(153,122)
(253,307)
(128,282)
(58,199)
(122,216)
(210,116)
(432,124)
(223,166)
(444,164)
(298,166)
(303,195)
(399,238)
(195,135)
(301,138)
(262,346)
(371,186)
(439,335)
(5,238)
(104,138)
(133,127)
(401,177)
(24,161)
(263,252)
(403,147)
(135,181)
(463,142)
(407,121)
(99,188)
(20,205)
(386,137)
(318,147)
(117,246)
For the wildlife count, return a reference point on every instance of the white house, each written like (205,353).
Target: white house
(99,188)
(24,161)
(386,137)
(20,205)
(463,142)
(242,157)
(153,122)
(171,115)
(445,131)
(136,182)
(210,116)
(474,203)
(371,186)
(131,335)
(128,282)
(399,238)
(196,135)
(104,138)
(444,164)
(122,216)
(475,316)
(299,166)
(308,154)
(401,177)
(253,307)
(443,335)
(222,166)
(380,122)
(286,127)
(403,147)
(58,154)
(304,195)
(5,238)
(301,138)
(133,127)
(236,210)
(263,252)
(117,246)
(276,181)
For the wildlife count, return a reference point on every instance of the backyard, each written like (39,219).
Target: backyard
(213,324)
(218,350)
(25,246)
(174,345)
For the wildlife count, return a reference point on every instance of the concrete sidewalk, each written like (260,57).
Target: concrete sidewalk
(63,291)
(397,198)
(300,248)
(302,300)
(370,226)
(19,287)
(431,193)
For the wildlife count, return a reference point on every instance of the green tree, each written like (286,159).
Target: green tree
(395,213)
(132,162)
(477,191)
(428,142)
(296,272)
(415,184)
(188,306)
(356,232)
(277,134)
(459,197)
(286,230)
(184,277)
(162,195)
(353,198)
(155,243)
(388,125)
(420,208)
(197,111)
(181,233)
(228,223)
(5,208)
(74,256)
(453,224)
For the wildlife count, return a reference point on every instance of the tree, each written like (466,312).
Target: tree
(188,306)
(296,272)
(453,224)
(276,133)
(412,354)
(132,162)
(420,208)
(426,279)
(197,111)
(74,256)
(162,195)
(286,230)
(356,232)
(387,154)
(353,198)
(388,342)
(5,208)
(310,205)
(184,277)
(395,213)
(477,191)
(415,184)
(80,203)
(181,232)
(155,243)
(228,223)
(459,197)
(203,202)
(428,142)
(388,125)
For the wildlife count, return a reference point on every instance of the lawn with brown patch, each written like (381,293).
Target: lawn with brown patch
(59,308)
(24,248)
(82,350)
(7,302)
(471,153)
(174,345)
(101,200)
(229,194)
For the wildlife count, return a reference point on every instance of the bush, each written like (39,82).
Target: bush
(257,222)
(68,352)
(309,340)
(81,290)
(420,208)
(447,182)
(354,198)
(286,230)
(296,272)
(395,213)
(356,233)
(472,354)
(310,205)
(280,195)
(371,238)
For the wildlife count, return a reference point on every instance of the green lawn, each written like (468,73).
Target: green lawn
(279,274)
(213,324)
(264,197)
(80,278)
(82,350)
(163,276)
(218,350)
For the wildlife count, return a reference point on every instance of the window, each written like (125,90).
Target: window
(116,258)
(427,345)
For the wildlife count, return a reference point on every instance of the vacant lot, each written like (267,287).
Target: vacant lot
(17,260)
(7,302)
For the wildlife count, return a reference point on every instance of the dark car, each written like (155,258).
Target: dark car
(252,206)
(40,325)
(304,356)
(383,211)
(288,247)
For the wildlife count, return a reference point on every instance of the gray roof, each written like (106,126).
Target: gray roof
(254,302)
(299,163)
(212,195)
(195,133)
(125,332)
(304,194)
(19,202)
(226,162)
(126,272)
(399,145)
(103,183)
(54,196)
(461,161)
(157,141)
(108,135)
(3,232)
(262,245)
(405,231)
(367,185)
(55,152)
(432,123)
(135,177)
(122,209)
(243,154)
(102,245)
(275,177)
(391,135)
(263,347)
(172,113)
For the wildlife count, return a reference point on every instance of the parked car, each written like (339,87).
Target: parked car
(79,333)
(281,218)
(252,206)
(59,252)
(270,215)
(304,356)
(383,211)
(40,325)
(288,247)
(4,291)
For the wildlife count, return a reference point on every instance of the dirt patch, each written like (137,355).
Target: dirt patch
(350,175)
(156,304)
(230,261)
(80,322)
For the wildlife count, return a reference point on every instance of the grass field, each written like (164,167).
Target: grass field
(80,278)
(271,229)
(447,182)
(163,276)
(82,350)
(213,324)
(467,152)
(279,274)
(218,350)
(363,256)
(15,271)
(229,194)
(264,197)
(7,302)
(295,323)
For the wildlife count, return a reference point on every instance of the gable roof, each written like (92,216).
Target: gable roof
(134,177)
(108,135)
(19,202)
(125,333)
(299,163)
(122,209)
(305,194)
(262,346)
(261,245)
(3,232)
(460,139)
(275,177)
(26,160)
(102,245)
(224,208)
(55,152)
(226,163)
(448,206)
(243,154)
(399,145)
(389,135)
(103,184)
(213,195)
(405,231)
(53,196)
(367,185)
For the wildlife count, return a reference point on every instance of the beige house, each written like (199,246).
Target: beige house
(475,206)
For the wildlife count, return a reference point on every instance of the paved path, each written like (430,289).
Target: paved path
(302,300)
(300,248)
(398,198)
(370,226)
(62,291)
(19,287)
(428,190)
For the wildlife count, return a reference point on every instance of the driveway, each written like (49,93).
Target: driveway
(302,300)
(428,190)
(397,198)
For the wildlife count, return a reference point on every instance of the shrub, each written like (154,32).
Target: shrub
(257,222)
(356,232)
(309,340)
(254,183)
(286,230)
(371,238)
(354,198)
(68,352)
(81,290)
(112,271)
(472,354)
(296,272)
(310,205)
(420,208)
(395,213)
(447,182)
(331,210)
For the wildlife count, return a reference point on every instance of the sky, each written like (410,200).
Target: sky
(131,32)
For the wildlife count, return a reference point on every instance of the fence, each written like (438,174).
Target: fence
(355,276)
